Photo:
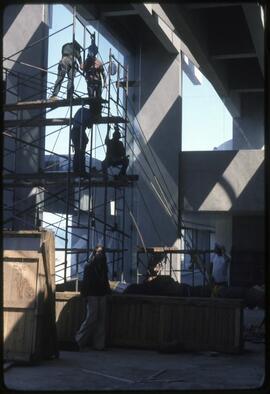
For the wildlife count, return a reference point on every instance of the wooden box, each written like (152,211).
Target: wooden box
(29,303)
(191,324)
(157,322)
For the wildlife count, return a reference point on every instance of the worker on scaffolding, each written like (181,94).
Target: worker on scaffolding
(68,65)
(116,153)
(82,120)
(95,78)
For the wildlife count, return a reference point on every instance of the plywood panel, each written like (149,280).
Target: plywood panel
(29,318)
(19,327)
(20,284)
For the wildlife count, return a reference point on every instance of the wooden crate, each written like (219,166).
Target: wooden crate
(154,322)
(202,324)
(133,321)
(70,312)
(28,302)
(196,324)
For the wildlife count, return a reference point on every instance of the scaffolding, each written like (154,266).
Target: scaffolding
(82,205)
(77,194)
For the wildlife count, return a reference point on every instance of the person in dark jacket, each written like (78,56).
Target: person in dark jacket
(82,120)
(95,287)
(65,67)
(116,153)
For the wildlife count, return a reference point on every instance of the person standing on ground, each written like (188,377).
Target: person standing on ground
(65,67)
(95,287)
(220,266)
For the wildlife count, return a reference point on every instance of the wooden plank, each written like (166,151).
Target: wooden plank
(49,331)
(41,122)
(24,255)
(60,178)
(18,334)
(38,104)
(70,312)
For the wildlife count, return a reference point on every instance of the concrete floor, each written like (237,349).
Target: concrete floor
(130,369)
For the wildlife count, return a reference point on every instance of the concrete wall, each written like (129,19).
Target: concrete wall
(160,119)
(24,25)
(248,130)
(230,181)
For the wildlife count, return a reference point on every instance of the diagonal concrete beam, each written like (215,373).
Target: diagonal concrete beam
(111,14)
(157,20)
(196,43)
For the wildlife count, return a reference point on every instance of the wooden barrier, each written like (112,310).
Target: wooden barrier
(70,311)
(157,322)
(29,288)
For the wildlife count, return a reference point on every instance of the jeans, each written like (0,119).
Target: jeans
(93,329)
(108,162)
(80,141)
(65,67)
(94,89)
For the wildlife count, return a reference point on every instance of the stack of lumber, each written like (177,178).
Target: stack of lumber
(29,296)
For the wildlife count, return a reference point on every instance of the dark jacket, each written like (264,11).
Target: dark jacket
(95,277)
(93,69)
(115,149)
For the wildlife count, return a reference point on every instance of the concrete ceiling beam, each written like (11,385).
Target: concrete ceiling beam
(200,6)
(111,14)
(161,30)
(254,20)
(227,56)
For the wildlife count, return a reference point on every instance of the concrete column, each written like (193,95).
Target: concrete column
(159,117)
(23,26)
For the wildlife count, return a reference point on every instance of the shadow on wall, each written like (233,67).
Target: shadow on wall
(70,312)
(10,14)
(29,329)
(161,194)
(32,83)
(223,181)
(199,174)
(253,194)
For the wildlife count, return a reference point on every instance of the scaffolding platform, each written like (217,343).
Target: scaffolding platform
(39,104)
(58,121)
(61,178)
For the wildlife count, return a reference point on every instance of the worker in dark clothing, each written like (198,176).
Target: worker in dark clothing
(65,67)
(95,78)
(95,287)
(81,121)
(116,153)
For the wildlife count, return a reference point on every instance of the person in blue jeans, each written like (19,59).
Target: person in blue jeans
(65,68)
(81,121)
